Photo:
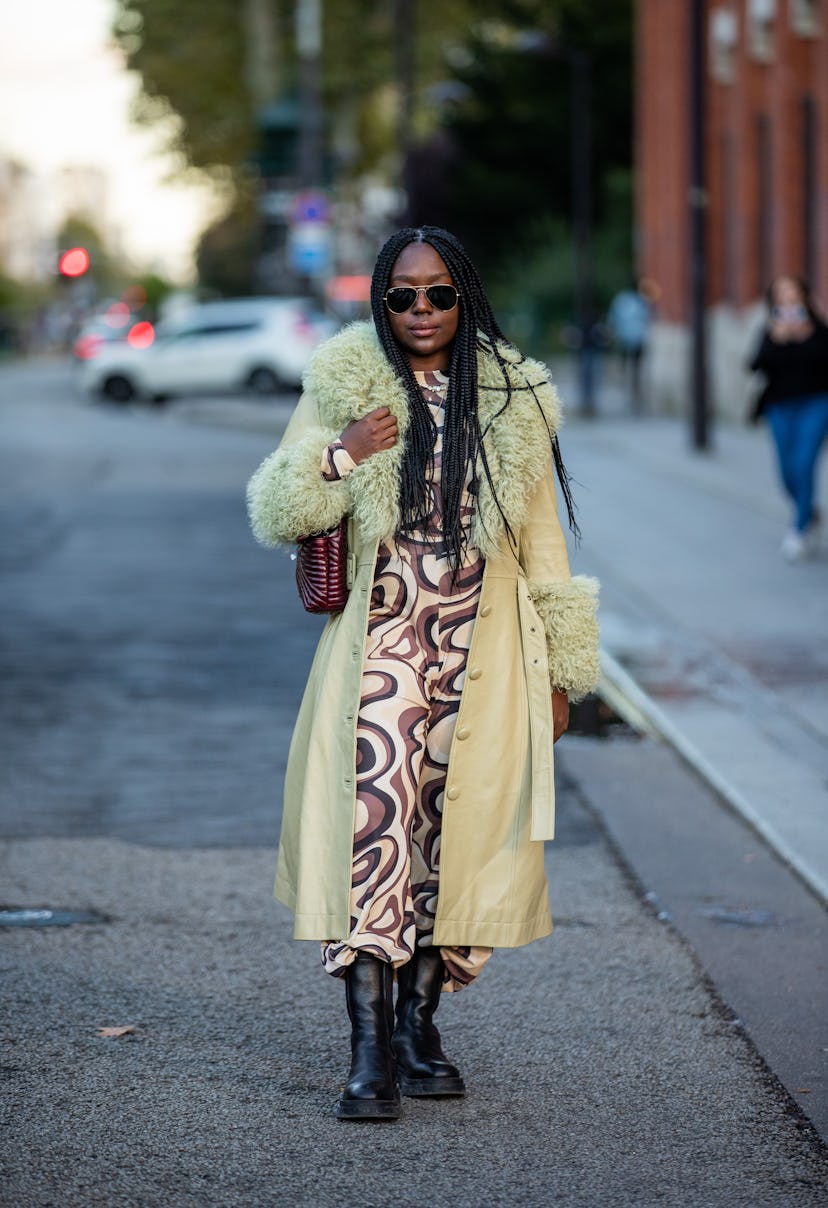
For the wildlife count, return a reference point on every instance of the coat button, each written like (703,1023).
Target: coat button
(475,673)
(485,610)
(463,734)
(453,793)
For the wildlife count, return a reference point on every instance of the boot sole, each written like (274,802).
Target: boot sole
(432,1088)
(381,1109)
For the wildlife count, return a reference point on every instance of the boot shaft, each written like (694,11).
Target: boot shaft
(369,996)
(419,986)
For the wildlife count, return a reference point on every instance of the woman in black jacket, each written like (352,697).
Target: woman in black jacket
(793,356)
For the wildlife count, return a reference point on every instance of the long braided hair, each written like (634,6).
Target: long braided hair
(463,440)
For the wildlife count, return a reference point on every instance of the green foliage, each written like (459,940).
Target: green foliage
(195,57)
(190,55)
(491,121)
(532,288)
(361,60)
(156,290)
(20,300)
(507,143)
(227,252)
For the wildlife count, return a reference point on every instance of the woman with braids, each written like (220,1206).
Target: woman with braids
(419,785)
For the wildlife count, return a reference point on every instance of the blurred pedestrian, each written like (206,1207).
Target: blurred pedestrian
(419,784)
(629,318)
(793,357)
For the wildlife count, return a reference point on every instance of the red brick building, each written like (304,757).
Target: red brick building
(766,165)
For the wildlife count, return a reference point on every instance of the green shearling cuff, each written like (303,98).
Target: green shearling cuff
(569,613)
(287,497)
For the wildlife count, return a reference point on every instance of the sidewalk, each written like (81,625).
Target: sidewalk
(710,638)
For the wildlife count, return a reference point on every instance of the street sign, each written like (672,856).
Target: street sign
(309,249)
(311,205)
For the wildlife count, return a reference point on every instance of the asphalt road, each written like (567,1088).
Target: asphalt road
(152,662)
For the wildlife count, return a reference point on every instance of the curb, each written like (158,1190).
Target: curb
(628,699)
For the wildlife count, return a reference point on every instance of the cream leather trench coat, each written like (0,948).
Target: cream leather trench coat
(535,629)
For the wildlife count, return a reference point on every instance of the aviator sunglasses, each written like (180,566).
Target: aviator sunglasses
(401,298)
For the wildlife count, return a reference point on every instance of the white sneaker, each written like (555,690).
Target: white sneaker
(794,546)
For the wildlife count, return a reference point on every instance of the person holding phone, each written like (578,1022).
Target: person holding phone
(793,357)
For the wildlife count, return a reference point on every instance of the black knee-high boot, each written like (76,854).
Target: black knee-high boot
(371,1091)
(423,1067)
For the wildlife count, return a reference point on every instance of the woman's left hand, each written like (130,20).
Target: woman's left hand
(790,333)
(560,713)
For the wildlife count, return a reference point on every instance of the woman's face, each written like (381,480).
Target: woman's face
(424,332)
(787,292)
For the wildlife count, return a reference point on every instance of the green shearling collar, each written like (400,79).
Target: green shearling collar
(350,376)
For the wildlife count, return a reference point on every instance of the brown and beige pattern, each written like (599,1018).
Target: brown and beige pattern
(419,632)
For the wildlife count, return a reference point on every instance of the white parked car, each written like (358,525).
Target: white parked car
(257,344)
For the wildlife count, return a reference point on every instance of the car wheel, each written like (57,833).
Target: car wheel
(263,381)
(118,389)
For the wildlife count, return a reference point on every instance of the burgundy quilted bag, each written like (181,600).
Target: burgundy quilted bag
(322,569)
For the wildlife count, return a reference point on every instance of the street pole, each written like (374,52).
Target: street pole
(697,199)
(581,162)
(404,53)
(260,47)
(309,49)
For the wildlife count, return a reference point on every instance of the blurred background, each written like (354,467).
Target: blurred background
(668,151)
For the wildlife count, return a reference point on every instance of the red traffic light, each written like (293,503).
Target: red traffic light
(141,335)
(74,262)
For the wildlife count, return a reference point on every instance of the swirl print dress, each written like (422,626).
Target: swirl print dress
(419,632)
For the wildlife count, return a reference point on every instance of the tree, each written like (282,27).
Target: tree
(504,147)
(487,124)
(190,55)
(228,250)
(197,62)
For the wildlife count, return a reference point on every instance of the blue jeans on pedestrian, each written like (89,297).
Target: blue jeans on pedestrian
(799,428)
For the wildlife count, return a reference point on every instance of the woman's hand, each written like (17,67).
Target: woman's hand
(791,330)
(786,333)
(371,434)
(560,713)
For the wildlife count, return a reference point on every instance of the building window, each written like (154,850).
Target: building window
(764,202)
(804,17)
(724,35)
(809,187)
(761,14)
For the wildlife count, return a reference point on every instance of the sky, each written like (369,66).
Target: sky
(64,100)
